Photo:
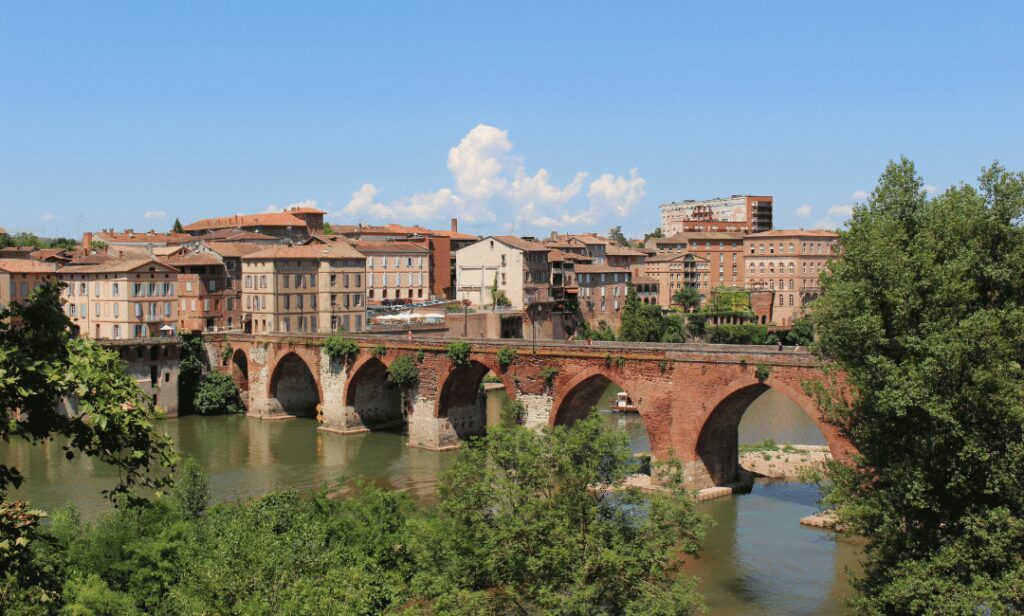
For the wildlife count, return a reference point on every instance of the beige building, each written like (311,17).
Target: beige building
(18,277)
(673,271)
(789,264)
(396,271)
(314,288)
(516,266)
(121,298)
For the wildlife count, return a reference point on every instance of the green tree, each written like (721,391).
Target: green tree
(328,229)
(191,367)
(217,394)
(404,375)
(924,314)
(802,332)
(523,527)
(177,228)
(687,297)
(640,322)
(615,235)
(191,494)
(498,296)
(603,331)
(656,234)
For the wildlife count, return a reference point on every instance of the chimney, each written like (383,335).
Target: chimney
(87,241)
(455,225)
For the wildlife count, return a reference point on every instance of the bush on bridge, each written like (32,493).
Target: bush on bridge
(217,394)
(505,357)
(458,353)
(403,375)
(747,333)
(341,349)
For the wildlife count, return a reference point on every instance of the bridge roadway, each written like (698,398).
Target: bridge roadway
(691,397)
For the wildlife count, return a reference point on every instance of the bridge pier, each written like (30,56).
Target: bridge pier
(538,409)
(428,431)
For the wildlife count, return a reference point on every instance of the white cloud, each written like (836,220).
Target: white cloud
(826,224)
(306,203)
(271,209)
(486,175)
(155,214)
(841,210)
(859,195)
(48,216)
(928,188)
(804,211)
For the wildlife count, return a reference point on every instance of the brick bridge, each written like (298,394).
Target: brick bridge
(691,397)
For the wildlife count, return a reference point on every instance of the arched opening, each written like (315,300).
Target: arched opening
(619,409)
(377,405)
(776,438)
(294,387)
(464,399)
(240,370)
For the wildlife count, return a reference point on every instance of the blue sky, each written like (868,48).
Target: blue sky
(568,116)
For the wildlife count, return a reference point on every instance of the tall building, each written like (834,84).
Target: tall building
(735,214)
(294,224)
(788,263)
(517,266)
(315,288)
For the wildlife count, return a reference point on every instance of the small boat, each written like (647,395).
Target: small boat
(623,404)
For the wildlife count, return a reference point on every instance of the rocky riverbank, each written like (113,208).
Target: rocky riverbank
(782,461)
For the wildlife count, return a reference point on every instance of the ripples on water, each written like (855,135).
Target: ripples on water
(757,559)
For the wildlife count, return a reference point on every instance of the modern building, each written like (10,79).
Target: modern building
(294,224)
(313,288)
(121,298)
(735,214)
(789,264)
(516,266)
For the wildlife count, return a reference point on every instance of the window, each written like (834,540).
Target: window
(117,330)
(248,282)
(312,280)
(115,289)
(188,286)
(790,298)
(71,309)
(206,305)
(298,301)
(212,285)
(117,310)
(334,280)
(83,288)
(97,304)
(359,280)
(96,289)
(231,303)
(152,289)
(138,310)
(287,301)
(344,280)
(263,281)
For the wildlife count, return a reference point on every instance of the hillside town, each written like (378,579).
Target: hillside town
(291,272)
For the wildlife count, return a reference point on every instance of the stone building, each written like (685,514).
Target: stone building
(788,263)
(517,266)
(121,298)
(206,297)
(153,363)
(231,254)
(294,224)
(396,271)
(314,288)
(602,292)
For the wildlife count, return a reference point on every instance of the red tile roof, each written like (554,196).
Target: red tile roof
(114,266)
(793,233)
(193,259)
(521,244)
(27,266)
(272,219)
(234,249)
(236,235)
(149,237)
(393,229)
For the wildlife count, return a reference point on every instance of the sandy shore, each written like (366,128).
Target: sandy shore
(779,464)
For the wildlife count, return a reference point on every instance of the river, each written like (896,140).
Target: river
(757,558)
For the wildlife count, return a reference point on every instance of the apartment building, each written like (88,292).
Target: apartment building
(517,266)
(18,278)
(396,271)
(442,246)
(121,298)
(723,253)
(672,271)
(231,254)
(788,263)
(602,292)
(735,214)
(132,243)
(206,296)
(313,288)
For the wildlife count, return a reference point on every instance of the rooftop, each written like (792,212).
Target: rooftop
(236,235)
(129,236)
(27,266)
(818,233)
(272,219)
(234,249)
(521,244)
(113,266)
(333,250)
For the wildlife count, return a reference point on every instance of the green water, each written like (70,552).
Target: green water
(757,558)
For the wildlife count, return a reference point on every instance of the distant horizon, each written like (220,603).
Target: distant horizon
(523,119)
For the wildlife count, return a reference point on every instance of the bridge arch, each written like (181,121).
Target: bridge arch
(240,369)
(294,386)
(718,441)
(460,399)
(368,395)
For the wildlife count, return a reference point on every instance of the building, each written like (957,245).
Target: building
(442,244)
(294,224)
(397,272)
(130,243)
(206,294)
(314,288)
(602,292)
(121,298)
(19,277)
(718,262)
(735,214)
(672,271)
(516,266)
(154,364)
(231,254)
(235,235)
(788,263)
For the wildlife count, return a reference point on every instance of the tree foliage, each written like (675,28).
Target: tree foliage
(341,349)
(645,322)
(177,228)
(458,353)
(217,394)
(404,375)
(801,333)
(603,331)
(924,314)
(615,234)
(505,357)
(687,297)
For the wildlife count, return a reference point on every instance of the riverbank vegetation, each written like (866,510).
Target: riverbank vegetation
(924,313)
(526,522)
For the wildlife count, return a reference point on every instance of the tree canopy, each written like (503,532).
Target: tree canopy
(615,234)
(177,228)
(924,313)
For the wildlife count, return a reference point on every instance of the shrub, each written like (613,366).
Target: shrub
(762,371)
(458,353)
(419,356)
(379,350)
(217,394)
(341,349)
(549,374)
(738,334)
(226,353)
(506,357)
(403,375)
